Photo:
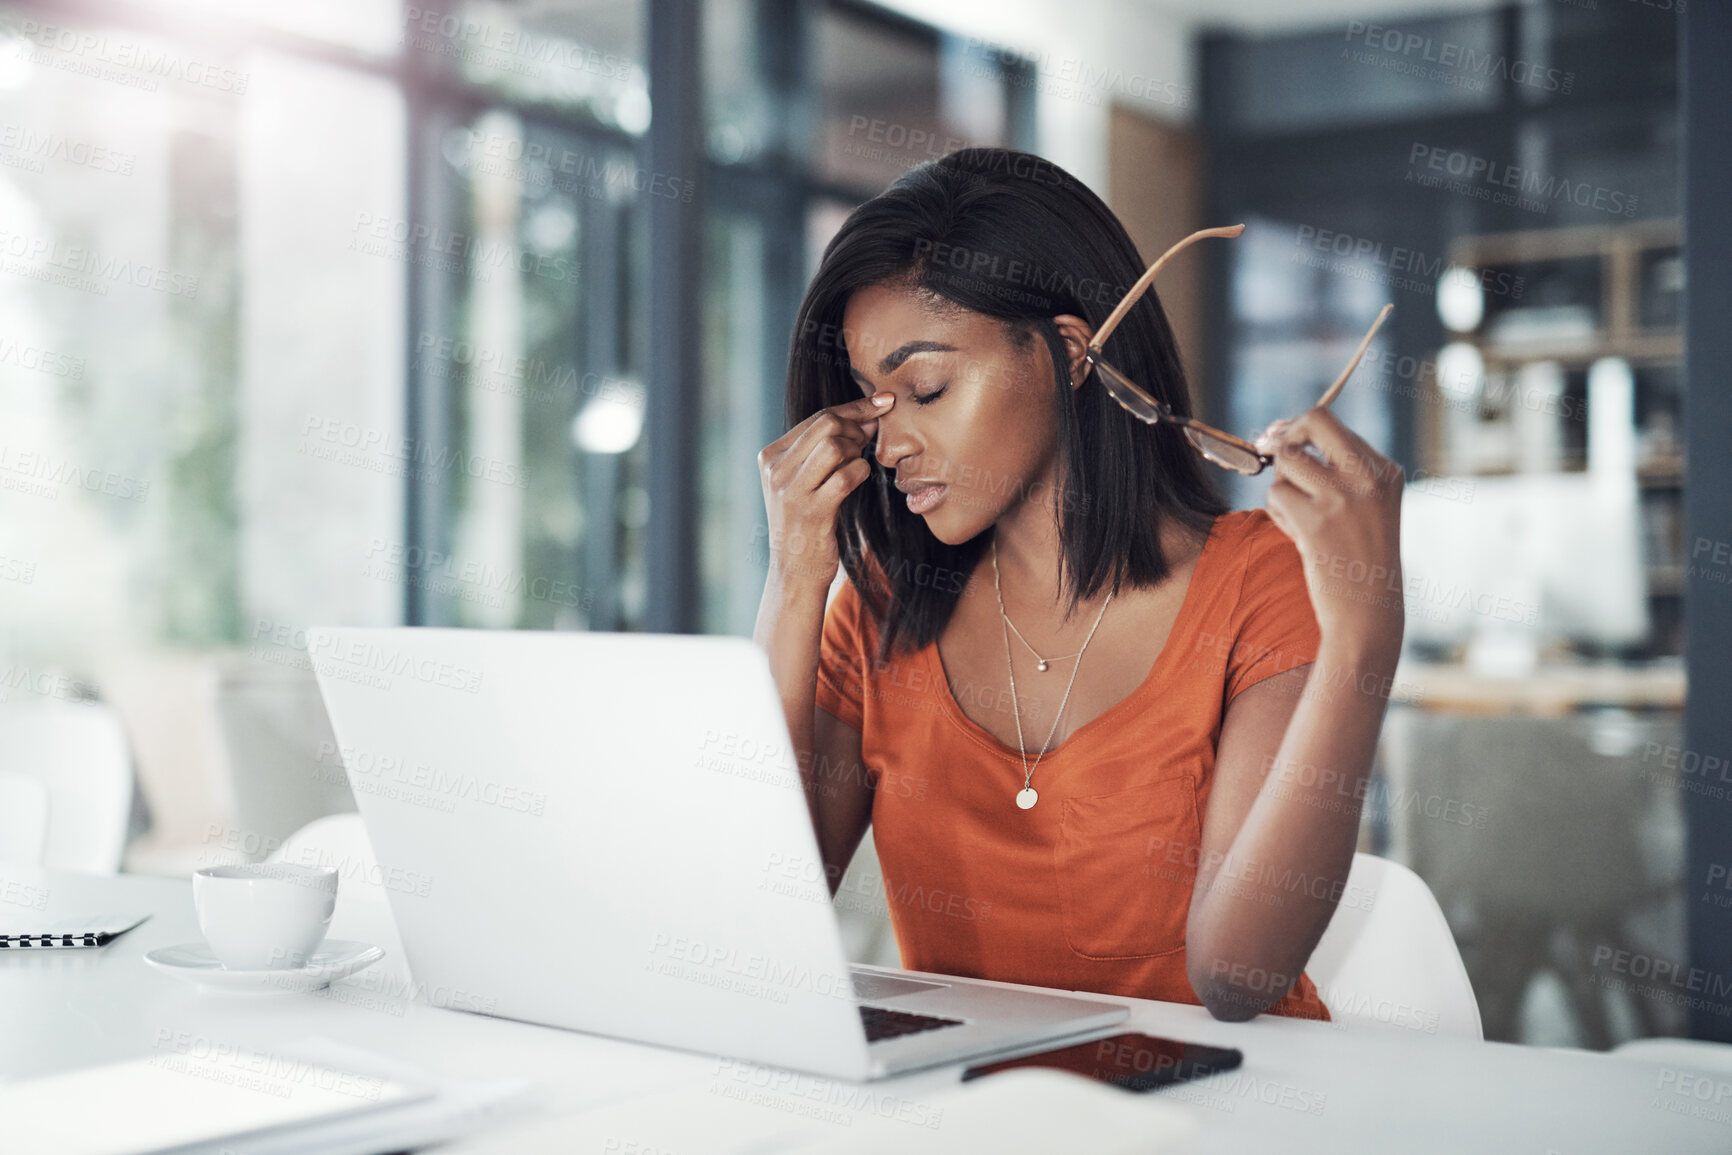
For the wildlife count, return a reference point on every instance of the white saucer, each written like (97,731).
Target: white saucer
(335,959)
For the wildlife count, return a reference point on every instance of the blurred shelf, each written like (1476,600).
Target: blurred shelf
(1661,474)
(1665,581)
(1549,691)
(1639,349)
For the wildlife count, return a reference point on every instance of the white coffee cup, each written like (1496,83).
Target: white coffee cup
(264,916)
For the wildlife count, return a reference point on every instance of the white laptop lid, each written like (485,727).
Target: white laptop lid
(598,828)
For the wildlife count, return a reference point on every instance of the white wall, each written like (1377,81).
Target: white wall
(1088,54)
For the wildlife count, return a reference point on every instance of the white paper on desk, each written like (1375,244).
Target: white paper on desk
(454,1108)
(168,1101)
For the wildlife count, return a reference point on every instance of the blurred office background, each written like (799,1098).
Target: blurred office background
(352,311)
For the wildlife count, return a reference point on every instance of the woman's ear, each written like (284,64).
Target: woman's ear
(1076,334)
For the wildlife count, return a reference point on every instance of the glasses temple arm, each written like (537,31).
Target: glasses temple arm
(1143,282)
(1329,394)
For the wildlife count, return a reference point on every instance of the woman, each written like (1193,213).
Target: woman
(1114,737)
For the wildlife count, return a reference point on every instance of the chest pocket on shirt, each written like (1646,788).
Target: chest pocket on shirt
(1126,863)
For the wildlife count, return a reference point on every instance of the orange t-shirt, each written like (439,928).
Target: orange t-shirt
(1090,889)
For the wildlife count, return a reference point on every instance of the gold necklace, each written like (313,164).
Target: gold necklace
(1028,796)
(1040,663)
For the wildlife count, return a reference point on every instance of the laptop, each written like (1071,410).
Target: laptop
(606,832)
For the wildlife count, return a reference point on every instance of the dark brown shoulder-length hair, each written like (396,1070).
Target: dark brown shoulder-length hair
(1017,238)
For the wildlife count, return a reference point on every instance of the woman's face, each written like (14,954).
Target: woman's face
(973,433)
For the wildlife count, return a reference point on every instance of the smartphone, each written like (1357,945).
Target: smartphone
(1134,1062)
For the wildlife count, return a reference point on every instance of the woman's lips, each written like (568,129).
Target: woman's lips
(923,500)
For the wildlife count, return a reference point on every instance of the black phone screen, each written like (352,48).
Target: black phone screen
(1134,1062)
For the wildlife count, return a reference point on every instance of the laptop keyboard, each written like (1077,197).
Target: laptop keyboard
(884,1023)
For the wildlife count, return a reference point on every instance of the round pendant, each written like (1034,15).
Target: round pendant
(1041,665)
(1026,797)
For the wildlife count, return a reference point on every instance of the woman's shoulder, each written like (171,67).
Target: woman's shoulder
(1245,534)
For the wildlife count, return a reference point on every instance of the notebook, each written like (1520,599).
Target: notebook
(84,930)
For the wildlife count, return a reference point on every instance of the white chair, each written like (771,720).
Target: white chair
(79,754)
(23,818)
(363,912)
(1388,956)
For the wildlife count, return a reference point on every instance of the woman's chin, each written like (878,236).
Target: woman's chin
(953,530)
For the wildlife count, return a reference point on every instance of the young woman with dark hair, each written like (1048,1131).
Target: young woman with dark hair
(1109,736)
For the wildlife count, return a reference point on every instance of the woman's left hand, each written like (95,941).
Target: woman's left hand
(1344,514)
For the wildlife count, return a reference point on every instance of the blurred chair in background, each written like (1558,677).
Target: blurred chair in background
(234,754)
(167,702)
(1389,958)
(1548,845)
(78,753)
(23,818)
(282,760)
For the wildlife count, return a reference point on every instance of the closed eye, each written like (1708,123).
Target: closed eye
(928,398)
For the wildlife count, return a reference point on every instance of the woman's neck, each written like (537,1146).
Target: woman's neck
(1030,555)
(1027,543)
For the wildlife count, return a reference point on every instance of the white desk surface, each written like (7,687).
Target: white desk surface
(1303,1087)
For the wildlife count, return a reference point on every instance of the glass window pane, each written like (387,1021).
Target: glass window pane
(583,57)
(192,356)
(543,518)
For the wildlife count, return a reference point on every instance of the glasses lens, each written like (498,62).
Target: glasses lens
(1228,454)
(1127,394)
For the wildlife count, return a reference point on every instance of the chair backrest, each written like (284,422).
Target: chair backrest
(1388,956)
(363,912)
(23,818)
(79,753)
(281,755)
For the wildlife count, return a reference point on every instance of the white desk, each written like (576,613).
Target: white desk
(1304,1086)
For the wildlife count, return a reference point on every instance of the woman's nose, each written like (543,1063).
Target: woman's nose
(894,443)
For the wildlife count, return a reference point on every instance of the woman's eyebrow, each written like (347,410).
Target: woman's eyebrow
(894,359)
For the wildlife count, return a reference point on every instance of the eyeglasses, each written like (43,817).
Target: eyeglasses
(1223,449)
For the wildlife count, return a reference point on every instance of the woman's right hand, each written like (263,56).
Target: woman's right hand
(806,473)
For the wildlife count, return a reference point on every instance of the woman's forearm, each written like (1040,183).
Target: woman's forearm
(1259,909)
